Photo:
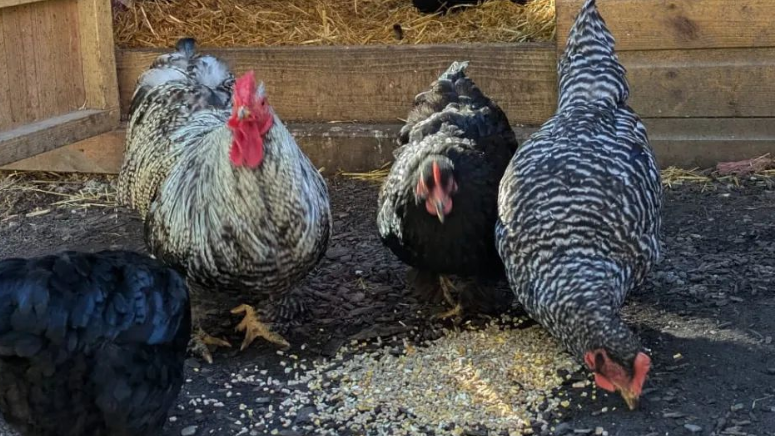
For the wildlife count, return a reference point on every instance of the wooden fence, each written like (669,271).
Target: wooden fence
(700,73)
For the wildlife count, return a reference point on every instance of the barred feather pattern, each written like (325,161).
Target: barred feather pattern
(453,120)
(579,209)
(242,231)
(177,86)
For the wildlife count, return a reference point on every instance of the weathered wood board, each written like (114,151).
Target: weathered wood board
(687,143)
(679,24)
(377,84)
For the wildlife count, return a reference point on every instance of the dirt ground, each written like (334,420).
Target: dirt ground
(707,313)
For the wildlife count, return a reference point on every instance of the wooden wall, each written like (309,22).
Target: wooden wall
(701,71)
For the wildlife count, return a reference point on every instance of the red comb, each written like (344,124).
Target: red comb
(245,88)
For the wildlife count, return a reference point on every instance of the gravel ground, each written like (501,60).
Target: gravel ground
(707,314)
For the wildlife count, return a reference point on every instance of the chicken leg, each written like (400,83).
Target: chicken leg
(254,328)
(201,340)
(446,288)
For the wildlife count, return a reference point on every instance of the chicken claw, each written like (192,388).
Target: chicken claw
(254,328)
(456,312)
(199,345)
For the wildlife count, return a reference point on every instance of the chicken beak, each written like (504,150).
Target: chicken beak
(440,210)
(242,112)
(630,398)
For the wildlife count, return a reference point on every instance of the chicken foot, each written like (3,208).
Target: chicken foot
(254,328)
(201,340)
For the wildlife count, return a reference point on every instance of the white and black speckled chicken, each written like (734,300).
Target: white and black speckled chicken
(91,344)
(437,207)
(227,194)
(580,211)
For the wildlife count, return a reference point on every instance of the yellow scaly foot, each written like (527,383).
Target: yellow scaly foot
(254,328)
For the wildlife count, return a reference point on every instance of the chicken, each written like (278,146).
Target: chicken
(579,212)
(91,344)
(444,6)
(227,195)
(437,207)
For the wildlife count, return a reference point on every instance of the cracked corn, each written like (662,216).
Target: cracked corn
(498,378)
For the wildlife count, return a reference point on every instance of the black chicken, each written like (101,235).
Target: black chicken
(438,206)
(444,6)
(91,344)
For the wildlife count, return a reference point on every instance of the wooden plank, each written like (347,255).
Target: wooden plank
(20,85)
(678,24)
(46,42)
(685,143)
(378,83)
(9,3)
(98,55)
(702,83)
(35,138)
(5,100)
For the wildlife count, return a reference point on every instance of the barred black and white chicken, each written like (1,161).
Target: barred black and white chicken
(226,193)
(580,212)
(91,344)
(437,207)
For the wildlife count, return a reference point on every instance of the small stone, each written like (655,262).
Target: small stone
(736,407)
(563,429)
(188,431)
(693,428)
(599,431)
(336,252)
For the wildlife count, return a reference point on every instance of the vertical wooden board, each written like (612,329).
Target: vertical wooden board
(66,55)
(95,21)
(5,101)
(678,24)
(72,47)
(44,42)
(27,59)
(14,65)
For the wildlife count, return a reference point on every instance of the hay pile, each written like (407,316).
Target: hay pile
(256,23)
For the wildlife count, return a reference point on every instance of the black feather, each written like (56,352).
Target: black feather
(91,344)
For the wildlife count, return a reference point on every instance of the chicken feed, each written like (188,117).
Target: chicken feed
(504,379)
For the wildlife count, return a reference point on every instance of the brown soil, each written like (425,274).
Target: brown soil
(707,313)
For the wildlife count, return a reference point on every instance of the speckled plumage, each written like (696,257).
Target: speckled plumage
(453,120)
(252,233)
(580,203)
(91,344)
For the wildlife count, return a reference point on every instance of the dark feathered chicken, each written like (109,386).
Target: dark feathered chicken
(580,211)
(438,206)
(443,6)
(227,194)
(91,344)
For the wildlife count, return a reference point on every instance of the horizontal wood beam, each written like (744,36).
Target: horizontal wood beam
(678,24)
(378,83)
(41,136)
(686,143)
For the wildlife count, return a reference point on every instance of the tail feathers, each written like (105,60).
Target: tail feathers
(452,91)
(589,69)
(184,64)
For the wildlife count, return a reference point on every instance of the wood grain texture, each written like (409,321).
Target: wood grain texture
(685,143)
(378,83)
(678,24)
(95,21)
(41,136)
(702,83)
(6,120)
(10,3)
